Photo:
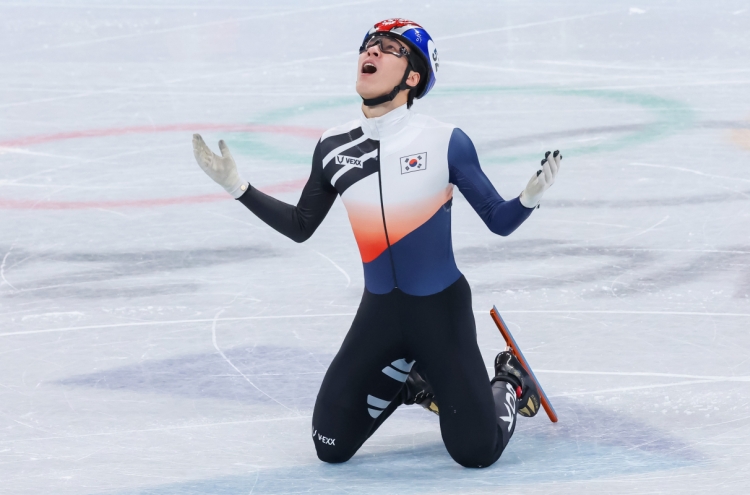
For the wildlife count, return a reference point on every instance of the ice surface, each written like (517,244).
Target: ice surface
(157,338)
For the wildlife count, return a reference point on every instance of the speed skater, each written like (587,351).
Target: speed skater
(413,339)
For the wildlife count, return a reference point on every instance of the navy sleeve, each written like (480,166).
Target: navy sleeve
(296,222)
(501,217)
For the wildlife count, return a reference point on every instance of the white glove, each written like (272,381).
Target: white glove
(221,169)
(541,180)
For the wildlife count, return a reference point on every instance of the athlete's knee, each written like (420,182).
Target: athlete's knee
(331,453)
(330,450)
(474,454)
(474,459)
(334,456)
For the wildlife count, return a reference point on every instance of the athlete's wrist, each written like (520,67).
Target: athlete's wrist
(241,190)
(528,202)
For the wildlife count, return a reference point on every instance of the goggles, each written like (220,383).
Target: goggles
(386,44)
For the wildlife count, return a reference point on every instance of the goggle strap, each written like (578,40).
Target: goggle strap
(371,102)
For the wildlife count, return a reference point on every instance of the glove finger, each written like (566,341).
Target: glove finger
(198,142)
(201,152)
(554,165)
(556,160)
(224,149)
(541,165)
(540,182)
(533,181)
(547,173)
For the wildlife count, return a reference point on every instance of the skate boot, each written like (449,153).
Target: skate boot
(417,391)
(510,370)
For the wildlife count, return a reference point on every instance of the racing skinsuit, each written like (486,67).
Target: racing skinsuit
(396,175)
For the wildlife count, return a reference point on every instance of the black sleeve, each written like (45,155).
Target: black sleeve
(296,222)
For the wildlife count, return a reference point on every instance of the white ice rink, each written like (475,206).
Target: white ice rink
(156,338)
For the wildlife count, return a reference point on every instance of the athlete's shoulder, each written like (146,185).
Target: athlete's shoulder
(461,150)
(341,129)
(427,122)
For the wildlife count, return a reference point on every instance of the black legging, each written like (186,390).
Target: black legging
(391,331)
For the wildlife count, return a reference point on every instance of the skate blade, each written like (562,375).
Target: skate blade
(513,347)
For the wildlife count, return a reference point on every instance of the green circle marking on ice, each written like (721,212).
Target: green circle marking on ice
(670,116)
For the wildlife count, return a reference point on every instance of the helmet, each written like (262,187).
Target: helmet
(421,44)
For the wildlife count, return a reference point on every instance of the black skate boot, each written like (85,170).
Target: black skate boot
(510,370)
(417,391)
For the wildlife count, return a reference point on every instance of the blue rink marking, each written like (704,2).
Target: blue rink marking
(589,442)
(529,460)
(292,375)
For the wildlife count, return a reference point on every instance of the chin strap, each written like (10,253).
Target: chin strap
(371,102)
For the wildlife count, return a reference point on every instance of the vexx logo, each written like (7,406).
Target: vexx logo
(348,160)
(324,440)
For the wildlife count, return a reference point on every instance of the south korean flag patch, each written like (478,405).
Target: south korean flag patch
(413,163)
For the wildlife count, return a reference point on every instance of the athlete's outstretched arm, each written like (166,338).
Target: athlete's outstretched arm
(296,222)
(501,217)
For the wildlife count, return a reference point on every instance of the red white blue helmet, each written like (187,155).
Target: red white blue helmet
(417,38)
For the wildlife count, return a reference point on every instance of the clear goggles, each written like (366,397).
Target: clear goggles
(386,44)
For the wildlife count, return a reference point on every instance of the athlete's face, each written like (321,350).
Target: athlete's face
(379,70)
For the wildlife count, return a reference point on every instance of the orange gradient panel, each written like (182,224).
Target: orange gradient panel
(367,225)
(404,218)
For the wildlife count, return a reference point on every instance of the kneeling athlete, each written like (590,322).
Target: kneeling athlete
(413,339)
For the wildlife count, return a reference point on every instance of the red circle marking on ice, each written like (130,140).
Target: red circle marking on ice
(149,129)
(25,204)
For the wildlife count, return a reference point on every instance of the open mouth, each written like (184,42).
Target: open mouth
(369,68)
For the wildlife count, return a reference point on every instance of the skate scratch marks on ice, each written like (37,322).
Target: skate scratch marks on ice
(643,387)
(21,151)
(171,322)
(162,428)
(334,315)
(47,315)
(231,20)
(648,229)
(522,26)
(125,89)
(257,475)
(647,373)
(2,270)
(688,170)
(525,71)
(348,280)
(216,346)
